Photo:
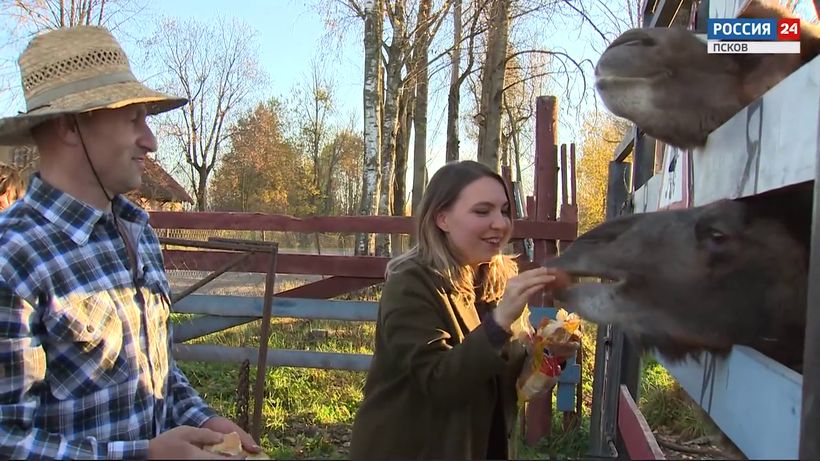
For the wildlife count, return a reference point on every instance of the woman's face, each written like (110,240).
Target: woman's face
(477,225)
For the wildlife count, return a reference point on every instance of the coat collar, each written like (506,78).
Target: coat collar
(466,313)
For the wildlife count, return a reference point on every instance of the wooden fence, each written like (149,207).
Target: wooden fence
(537,235)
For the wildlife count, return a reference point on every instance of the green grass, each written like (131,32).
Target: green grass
(665,404)
(307,413)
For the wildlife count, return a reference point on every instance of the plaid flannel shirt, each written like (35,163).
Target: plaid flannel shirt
(85,363)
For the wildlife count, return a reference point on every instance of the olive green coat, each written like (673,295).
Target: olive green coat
(435,378)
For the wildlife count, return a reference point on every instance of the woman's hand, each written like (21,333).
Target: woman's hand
(521,287)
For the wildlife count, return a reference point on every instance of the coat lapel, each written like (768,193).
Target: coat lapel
(466,314)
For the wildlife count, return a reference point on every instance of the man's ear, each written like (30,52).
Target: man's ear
(65,127)
(441,221)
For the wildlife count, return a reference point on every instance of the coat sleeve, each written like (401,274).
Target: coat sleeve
(418,339)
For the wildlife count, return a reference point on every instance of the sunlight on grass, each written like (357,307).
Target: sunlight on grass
(665,404)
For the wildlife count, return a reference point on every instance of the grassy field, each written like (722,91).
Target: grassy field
(308,413)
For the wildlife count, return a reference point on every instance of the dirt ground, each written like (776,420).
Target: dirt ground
(709,447)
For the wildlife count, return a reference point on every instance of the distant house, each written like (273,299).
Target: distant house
(159,191)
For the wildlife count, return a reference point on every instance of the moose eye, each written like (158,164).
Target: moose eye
(717,236)
(716,242)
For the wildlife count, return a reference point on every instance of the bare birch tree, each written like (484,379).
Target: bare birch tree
(216,68)
(371,177)
(492,85)
(454,93)
(421,80)
(37,15)
(396,58)
(458,76)
(313,106)
(406,109)
(28,17)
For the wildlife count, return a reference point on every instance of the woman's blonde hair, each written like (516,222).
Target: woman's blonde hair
(12,185)
(432,248)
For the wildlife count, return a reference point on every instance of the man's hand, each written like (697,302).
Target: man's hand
(226,426)
(184,442)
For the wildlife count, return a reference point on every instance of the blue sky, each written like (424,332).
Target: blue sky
(291,33)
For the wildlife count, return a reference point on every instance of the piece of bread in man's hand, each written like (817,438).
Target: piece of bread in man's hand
(231,445)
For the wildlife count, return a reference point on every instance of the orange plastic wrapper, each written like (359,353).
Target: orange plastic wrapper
(553,342)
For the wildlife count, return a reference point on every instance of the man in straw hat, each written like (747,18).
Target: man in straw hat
(85,364)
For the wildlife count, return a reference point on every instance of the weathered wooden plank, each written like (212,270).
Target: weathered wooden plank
(223,312)
(330,287)
(755,400)
(320,289)
(287,263)
(282,223)
(551,230)
(565,394)
(768,145)
(646,199)
(624,147)
(637,436)
(276,357)
(189,329)
(546,159)
(246,306)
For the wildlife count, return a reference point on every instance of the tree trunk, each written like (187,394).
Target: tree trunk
(371,174)
(420,110)
(402,149)
(202,189)
(328,193)
(454,95)
(492,86)
(393,87)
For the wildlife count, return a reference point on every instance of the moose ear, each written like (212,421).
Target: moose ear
(759,9)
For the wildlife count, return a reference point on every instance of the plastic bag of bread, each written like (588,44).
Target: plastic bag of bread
(553,342)
(231,445)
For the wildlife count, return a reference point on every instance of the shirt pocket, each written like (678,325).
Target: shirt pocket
(84,345)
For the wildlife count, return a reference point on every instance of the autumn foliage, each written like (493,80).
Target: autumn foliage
(601,135)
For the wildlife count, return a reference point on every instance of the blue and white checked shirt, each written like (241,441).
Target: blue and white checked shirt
(85,363)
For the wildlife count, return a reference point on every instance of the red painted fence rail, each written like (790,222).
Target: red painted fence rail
(549,230)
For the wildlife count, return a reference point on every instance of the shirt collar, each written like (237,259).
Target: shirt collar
(75,217)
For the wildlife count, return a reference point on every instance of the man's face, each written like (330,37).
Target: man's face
(117,141)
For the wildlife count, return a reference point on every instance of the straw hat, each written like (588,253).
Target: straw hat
(75,70)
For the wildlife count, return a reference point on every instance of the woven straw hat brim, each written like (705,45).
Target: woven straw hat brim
(16,130)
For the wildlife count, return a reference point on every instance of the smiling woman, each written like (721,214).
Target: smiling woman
(442,383)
